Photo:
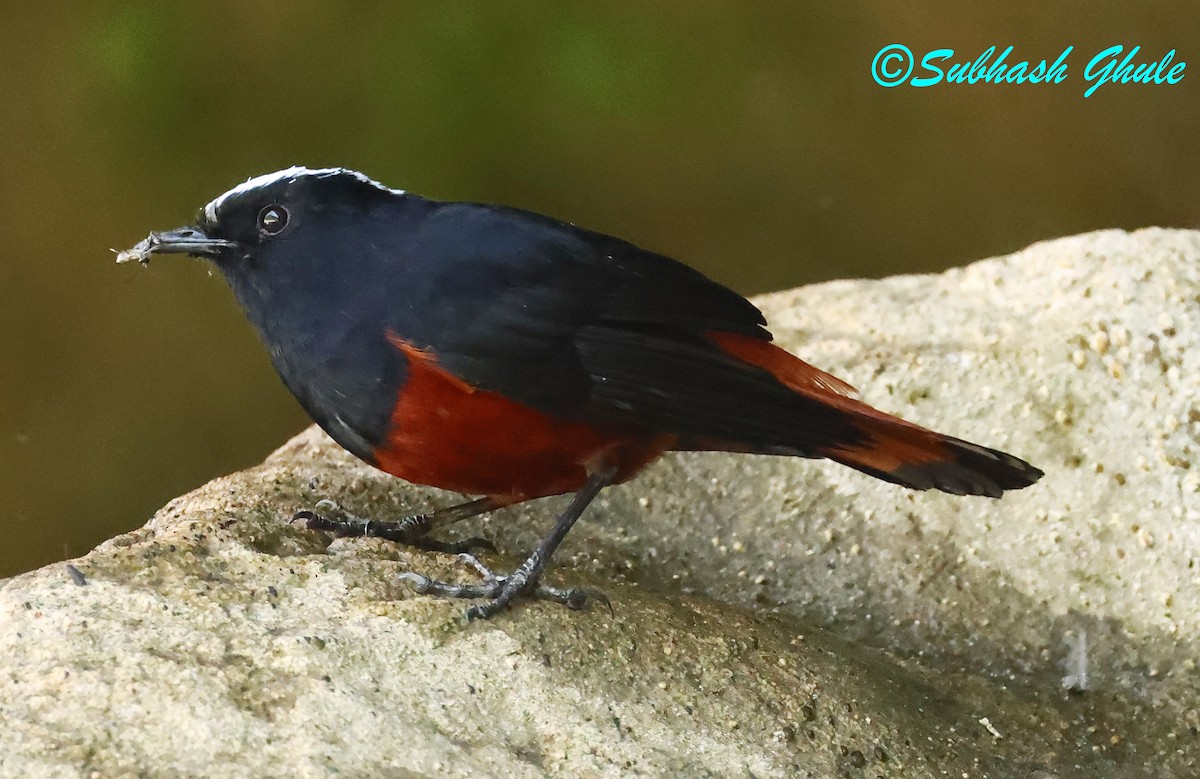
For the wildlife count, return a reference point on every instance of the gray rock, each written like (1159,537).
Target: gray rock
(773,617)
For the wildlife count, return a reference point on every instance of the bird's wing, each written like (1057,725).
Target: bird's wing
(590,327)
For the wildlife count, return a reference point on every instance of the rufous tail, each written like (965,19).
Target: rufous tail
(878,443)
(897,451)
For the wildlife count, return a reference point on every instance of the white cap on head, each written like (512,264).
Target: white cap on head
(289,174)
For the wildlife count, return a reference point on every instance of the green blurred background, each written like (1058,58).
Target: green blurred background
(747,139)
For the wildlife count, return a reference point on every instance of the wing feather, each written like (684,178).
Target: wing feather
(584,325)
(692,389)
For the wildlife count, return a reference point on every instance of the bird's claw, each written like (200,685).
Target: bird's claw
(420,583)
(500,591)
(311,520)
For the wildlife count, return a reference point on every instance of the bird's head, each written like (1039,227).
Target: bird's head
(294,244)
(289,242)
(292,211)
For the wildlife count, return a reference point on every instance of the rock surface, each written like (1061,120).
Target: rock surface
(773,617)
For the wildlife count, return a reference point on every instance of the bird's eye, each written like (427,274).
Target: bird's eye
(272,220)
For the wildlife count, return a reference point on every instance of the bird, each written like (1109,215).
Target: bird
(500,353)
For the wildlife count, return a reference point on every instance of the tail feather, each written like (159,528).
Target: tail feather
(922,459)
(886,446)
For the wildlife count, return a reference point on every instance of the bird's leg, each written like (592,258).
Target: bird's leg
(501,590)
(412,530)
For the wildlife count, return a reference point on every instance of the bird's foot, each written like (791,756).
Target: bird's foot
(411,531)
(500,591)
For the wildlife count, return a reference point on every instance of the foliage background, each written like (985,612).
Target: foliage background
(747,139)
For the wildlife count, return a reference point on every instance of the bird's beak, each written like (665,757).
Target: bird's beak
(184,240)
